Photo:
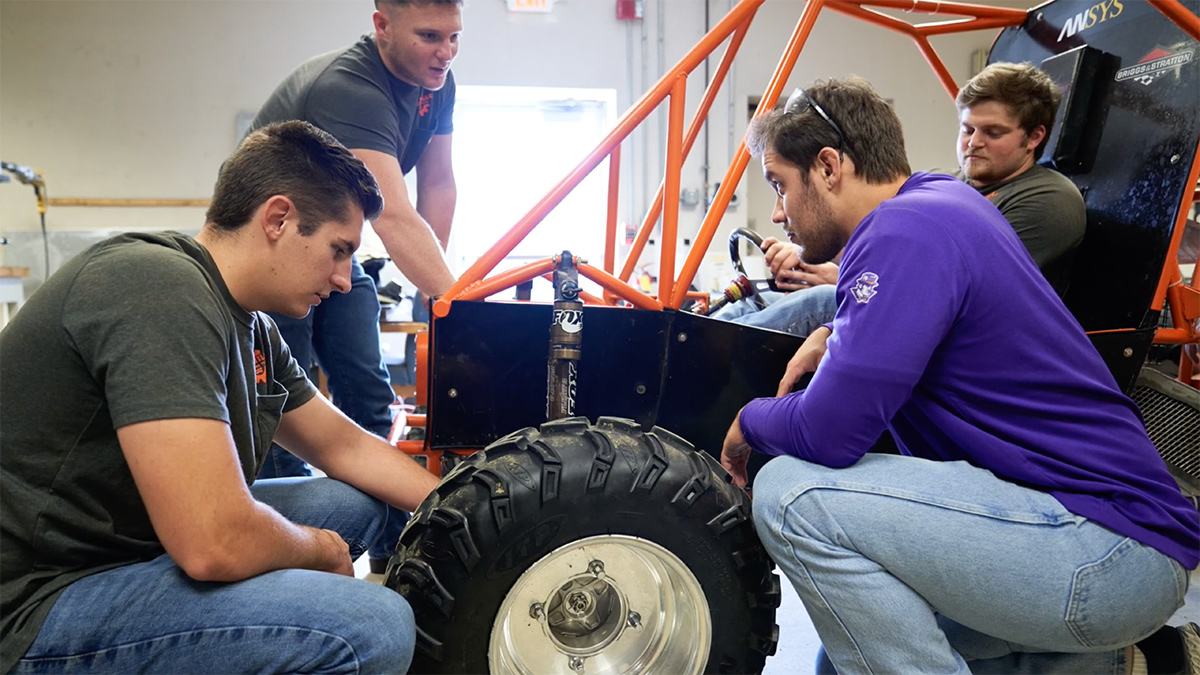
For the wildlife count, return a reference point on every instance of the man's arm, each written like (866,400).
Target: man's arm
(805,361)
(188,475)
(409,240)
(806,276)
(436,191)
(323,436)
(878,350)
(735,452)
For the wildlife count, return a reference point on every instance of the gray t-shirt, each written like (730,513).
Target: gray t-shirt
(353,96)
(1047,212)
(139,327)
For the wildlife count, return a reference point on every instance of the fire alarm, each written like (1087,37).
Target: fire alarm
(629,9)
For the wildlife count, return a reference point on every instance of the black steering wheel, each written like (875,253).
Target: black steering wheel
(743,286)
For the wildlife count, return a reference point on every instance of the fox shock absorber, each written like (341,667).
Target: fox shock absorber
(566,338)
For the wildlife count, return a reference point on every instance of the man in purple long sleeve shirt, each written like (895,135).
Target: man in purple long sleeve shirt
(1029,522)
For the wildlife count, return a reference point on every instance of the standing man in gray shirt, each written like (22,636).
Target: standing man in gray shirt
(389,98)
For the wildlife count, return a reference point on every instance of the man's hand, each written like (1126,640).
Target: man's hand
(337,551)
(780,255)
(806,360)
(792,274)
(807,276)
(736,452)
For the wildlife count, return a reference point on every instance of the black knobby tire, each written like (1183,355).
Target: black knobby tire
(533,493)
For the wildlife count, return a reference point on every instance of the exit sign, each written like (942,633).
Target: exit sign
(530,5)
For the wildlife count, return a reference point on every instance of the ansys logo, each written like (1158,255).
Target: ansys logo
(1097,13)
(1154,65)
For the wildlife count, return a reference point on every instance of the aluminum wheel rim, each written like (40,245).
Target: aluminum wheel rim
(662,622)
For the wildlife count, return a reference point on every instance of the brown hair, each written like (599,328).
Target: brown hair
(873,136)
(1028,93)
(301,162)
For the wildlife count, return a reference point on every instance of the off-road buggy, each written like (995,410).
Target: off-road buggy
(585,526)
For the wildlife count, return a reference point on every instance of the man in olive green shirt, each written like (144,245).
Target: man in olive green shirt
(141,387)
(1005,115)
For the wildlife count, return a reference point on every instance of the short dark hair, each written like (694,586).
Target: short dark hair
(301,162)
(873,136)
(1028,93)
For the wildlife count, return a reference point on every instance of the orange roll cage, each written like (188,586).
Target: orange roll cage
(1184,300)
(475,284)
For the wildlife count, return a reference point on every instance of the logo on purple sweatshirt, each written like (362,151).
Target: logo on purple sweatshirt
(866,287)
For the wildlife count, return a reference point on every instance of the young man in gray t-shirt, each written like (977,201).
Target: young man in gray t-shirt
(141,386)
(1005,115)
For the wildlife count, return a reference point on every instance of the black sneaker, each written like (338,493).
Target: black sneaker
(391,292)
(379,565)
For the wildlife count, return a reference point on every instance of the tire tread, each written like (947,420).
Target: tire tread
(486,523)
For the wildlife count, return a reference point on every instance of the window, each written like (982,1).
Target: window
(511,146)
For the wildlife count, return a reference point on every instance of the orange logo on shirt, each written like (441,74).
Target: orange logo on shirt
(423,104)
(260,367)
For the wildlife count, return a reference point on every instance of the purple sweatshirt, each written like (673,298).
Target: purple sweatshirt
(948,335)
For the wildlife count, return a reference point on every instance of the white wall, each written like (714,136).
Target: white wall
(138,98)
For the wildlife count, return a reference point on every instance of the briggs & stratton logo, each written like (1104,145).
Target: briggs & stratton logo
(1097,13)
(1154,65)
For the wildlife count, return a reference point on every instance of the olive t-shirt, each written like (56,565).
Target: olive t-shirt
(139,327)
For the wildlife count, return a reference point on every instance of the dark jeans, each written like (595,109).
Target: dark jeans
(341,335)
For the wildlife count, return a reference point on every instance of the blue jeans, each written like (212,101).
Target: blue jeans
(798,313)
(342,336)
(907,565)
(151,617)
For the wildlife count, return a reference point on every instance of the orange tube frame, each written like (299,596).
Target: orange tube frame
(672,289)
(642,109)
(710,95)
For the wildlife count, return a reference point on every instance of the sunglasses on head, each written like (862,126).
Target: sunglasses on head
(800,101)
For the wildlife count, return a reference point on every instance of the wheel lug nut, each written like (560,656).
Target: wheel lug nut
(536,611)
(634,620)
(596,567)
(576,663)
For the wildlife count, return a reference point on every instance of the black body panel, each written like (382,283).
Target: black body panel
(686,373)
(1141,81)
